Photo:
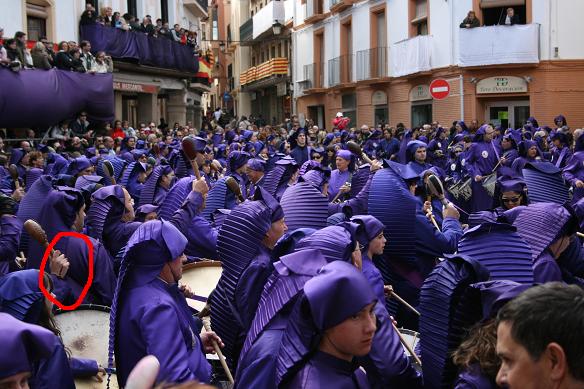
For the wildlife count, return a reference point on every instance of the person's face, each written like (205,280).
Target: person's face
(65,46)
(150,216)
(342,164)
(532,152)
(176,267)
(301,140)
(39,162)
(511,200)
(79,219)
(132,142)
(25,146)
(277,229)
(166,180)
(518,369)
(317,157)
(87,48)
(510,12)
(420,155)
(108,142)
(101,57)
(505,143)
(489,133)
(83,117)
(354,336)
(129,205)
(16,381)
(377,245)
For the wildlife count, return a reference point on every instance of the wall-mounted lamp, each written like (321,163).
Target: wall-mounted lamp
(474,80)
(277,28)
(527,79)
(222,46)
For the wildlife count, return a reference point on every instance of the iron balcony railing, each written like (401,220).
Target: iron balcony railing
(340,70)
(372,63)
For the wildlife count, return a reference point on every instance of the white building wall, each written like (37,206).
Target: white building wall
(11,17)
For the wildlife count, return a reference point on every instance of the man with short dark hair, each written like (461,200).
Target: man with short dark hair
(540,338)
(86,57)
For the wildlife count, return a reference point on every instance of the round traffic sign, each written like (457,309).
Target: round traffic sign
(439,89)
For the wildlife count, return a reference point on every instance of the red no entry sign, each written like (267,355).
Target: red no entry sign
(439,89)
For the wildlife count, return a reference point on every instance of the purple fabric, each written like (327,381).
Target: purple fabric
(22,344)
(10,231)
(28,99)
(146,50)
(371,228)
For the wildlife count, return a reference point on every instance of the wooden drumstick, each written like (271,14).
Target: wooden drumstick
(219,353)
(234,187)
(36,232)
(580,235)
(13,170)
(406,345)
(195,167)
(404,302)
(356,149)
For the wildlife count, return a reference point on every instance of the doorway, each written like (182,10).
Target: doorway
(316,113)
(508,114)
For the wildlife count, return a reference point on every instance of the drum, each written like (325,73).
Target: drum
(461,190)
(489,182)
(412,338)
(85,333)
(202,277)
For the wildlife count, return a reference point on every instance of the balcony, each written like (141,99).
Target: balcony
(199,8)
(411,56)
(313,77)
(140,48)
(340,70)
(265,18)
(269,72)
(337,6)
(372,64)
(497,45)
(246,31)
(314,12)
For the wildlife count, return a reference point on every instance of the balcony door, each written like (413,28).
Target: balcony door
(507,114)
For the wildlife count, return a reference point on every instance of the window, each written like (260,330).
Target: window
(421,113)
(36,28)
(38,19)
(273,52)
(132,8)
(418,17)
(349,104)
(495,11)
(164,10)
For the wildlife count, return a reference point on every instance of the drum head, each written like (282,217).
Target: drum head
(202,277)
(85,332)
(412,338)
(90,383)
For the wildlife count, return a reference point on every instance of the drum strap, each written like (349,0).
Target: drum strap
(561,157)
(495,150)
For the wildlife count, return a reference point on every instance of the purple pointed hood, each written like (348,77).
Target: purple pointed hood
(31,176)
(336,243)
(22,345)
(107,203)
(276,210)
(149,189)
(77,165)
(371,227)
(21,296)
(304,206)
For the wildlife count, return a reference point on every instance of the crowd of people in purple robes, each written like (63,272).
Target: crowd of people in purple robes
(364,257)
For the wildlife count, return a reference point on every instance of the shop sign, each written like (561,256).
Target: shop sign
(503,84)
(379,98)
(137,88)
(420,92)
(281,89)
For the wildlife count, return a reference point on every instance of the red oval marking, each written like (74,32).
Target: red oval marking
(89,276)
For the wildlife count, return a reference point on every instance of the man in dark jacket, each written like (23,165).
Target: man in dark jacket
(470,21)
(509,18)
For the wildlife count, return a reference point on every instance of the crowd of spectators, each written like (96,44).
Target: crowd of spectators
(127,22)
(69,56)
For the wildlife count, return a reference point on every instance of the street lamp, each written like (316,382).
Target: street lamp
(222,46)
(277,28)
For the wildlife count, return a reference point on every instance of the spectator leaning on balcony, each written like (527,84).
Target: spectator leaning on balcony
(107,15)
(23,55)
(103,63)
(176,35)
(49,49)
(40,57)
(89,15)
(86,57)
(80,126)
(146,26)
(470,21)
(509,18)
(76,60)
(63,59)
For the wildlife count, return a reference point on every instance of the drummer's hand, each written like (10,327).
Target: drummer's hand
(58,264)
(100,374)
(207,338)
(387,290)
(186,291)
(200,186)
(427,208)
(503,160)
(393,320)
(478,178)
(18,194)
(579,184)
(450,211)
(345,188)
(375,166)
(21,261)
